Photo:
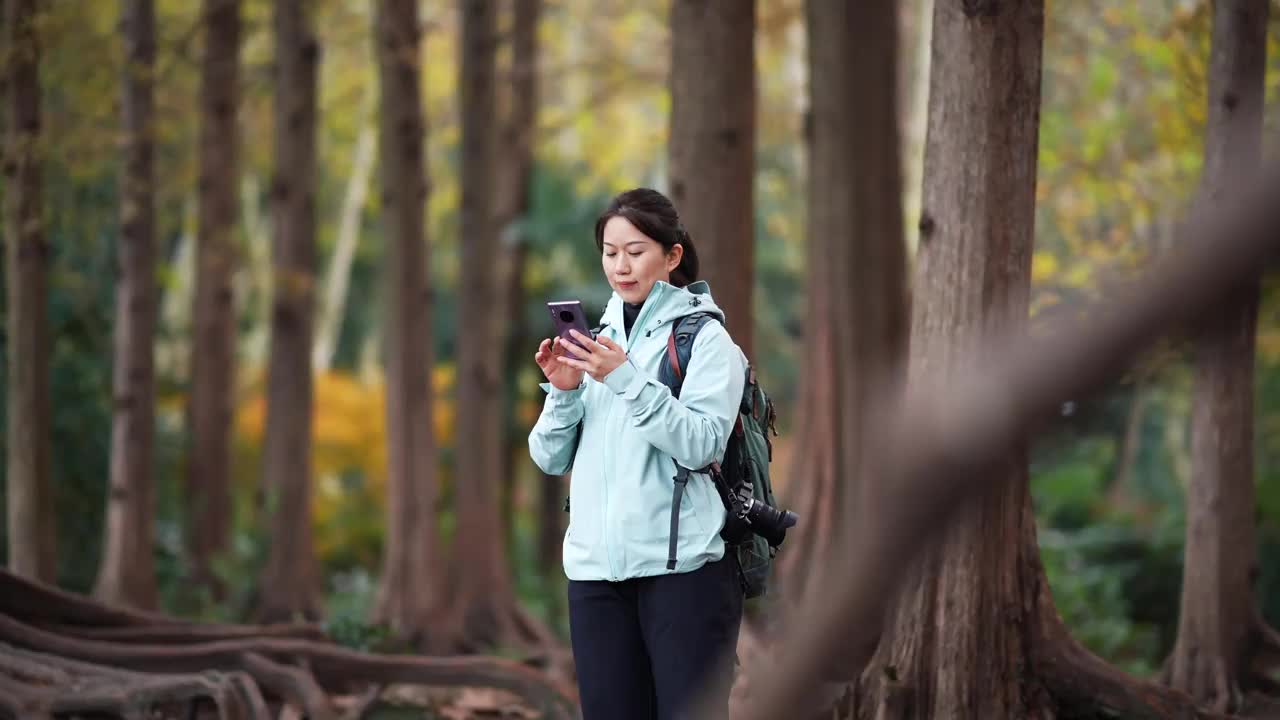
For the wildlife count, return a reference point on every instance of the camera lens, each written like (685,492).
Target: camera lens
(769,522)
(566,316)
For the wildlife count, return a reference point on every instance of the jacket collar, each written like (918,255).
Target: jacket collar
(665,304)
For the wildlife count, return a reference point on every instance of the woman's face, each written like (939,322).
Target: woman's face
(633,261)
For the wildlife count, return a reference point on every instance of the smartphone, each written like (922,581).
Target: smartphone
(568,315)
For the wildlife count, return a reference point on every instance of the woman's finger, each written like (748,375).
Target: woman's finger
(587,343)
(576,364)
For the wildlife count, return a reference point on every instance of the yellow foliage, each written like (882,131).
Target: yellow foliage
(1043,267)
(1269,342)
(349,447)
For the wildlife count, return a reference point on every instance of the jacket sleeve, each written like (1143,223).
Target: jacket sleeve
(694,429)
(554,438)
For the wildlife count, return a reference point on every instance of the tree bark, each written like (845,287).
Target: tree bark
(483,597)
(514,181)
(412,564)
(208,491)
(712,146)
(857,268)
(31,526)
(955,642)
(1219,630)
(127,575)
(290,583)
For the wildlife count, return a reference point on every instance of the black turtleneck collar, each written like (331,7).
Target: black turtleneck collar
(630,311)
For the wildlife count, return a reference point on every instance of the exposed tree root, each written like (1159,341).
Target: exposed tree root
(488,625)
(181,634)
(74,655)
(1085,686)
(34,685)
(291,683)
(1265,642)
(1230,688)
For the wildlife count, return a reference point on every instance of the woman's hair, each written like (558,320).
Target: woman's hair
(653,214)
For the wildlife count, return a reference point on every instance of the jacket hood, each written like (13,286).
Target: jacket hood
(665,303)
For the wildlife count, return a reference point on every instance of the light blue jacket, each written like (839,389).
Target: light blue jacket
(633,433)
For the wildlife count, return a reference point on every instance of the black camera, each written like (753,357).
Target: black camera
(746,514)
(767,521)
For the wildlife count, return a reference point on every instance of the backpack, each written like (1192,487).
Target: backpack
(745,469)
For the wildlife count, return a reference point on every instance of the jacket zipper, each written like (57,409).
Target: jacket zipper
(630,340)
(608,466)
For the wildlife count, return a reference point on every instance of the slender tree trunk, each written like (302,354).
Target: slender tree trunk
(412,564)
(333,309)
(712,146)
(857,268)
(1130,444)
(916,116)
(208,492)
(32,532)
(1219,629)
(956,642)
(290,583)
(257,265)
(515,178)
(551,494)
(483,595)
(127,575)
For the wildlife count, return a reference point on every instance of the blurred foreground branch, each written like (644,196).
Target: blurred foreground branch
(938,441)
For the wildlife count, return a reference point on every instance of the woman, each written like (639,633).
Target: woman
(645,638)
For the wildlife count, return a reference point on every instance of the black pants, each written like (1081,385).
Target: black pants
(643,648)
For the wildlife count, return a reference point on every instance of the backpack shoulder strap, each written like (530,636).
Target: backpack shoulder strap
(680,348)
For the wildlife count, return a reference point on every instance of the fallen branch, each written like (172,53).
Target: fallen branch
(938,440)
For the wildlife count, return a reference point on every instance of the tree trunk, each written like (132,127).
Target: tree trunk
(127,575)
(208,491)
(551,494)
(712,146)
(515,178)
(1219,629)
(956,641)
(290,583)
(30,490)
(857,268)
(483,597)
(916,116)
(333,309)
(412,563)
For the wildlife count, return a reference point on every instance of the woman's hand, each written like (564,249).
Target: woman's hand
(598,357)
(562,377)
